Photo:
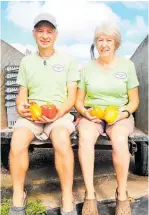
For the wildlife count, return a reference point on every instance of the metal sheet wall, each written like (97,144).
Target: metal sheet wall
(140,59)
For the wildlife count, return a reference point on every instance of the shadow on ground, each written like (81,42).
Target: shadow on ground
(139,207)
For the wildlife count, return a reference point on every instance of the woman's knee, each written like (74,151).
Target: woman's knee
(119,143)
(88,137)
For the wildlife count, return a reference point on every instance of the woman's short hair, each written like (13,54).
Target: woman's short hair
(110,30)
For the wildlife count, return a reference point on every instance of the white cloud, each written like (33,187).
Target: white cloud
(23,13)
(128,48)
(76,19)
(136,5)
(139,28)
(80,51)
(127,56)
(23,48)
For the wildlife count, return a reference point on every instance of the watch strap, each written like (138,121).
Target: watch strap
(127,112)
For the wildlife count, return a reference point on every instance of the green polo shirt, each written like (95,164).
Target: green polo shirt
(48,83)
(110,87)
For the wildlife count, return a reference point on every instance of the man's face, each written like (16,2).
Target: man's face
(45,36)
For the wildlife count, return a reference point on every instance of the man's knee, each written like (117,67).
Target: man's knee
(21,140)
(60,139)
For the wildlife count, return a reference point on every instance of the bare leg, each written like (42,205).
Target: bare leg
(19,162)
(64,162)
(118,134)
(88,135)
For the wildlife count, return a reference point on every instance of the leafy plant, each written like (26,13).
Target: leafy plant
(34,207)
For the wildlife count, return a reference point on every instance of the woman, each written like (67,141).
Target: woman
(108,80)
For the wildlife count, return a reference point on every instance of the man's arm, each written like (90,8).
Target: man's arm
(22,101)
(22,97)
(69,103)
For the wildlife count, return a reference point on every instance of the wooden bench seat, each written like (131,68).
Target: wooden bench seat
(136,136)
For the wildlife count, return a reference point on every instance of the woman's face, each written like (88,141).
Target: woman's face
(105,45)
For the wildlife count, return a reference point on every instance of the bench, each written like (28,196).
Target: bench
(138,146)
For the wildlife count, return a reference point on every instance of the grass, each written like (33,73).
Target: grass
(34,207)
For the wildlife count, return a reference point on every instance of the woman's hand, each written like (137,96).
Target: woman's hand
(121,115)
(89,117)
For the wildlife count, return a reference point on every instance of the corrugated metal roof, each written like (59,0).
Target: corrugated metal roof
(9,55)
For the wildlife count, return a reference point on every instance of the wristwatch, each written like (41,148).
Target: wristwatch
(127,112)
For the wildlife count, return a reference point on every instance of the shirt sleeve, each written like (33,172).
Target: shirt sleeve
(21,78)
(81,82)
(132,80)
(73,73)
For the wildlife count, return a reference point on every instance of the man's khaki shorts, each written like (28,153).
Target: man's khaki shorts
(42,131)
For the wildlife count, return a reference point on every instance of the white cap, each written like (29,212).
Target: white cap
(45,17)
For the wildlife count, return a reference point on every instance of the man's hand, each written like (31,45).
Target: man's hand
(44,119)
(24,111)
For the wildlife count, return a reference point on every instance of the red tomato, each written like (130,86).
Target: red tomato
(49,110)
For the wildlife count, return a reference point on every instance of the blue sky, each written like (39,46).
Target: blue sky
(77,20)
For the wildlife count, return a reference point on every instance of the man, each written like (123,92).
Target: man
(45,76)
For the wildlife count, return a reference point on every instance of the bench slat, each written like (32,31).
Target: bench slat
(137,135)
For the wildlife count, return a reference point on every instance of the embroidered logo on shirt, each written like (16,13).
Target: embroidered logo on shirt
(58,67)
(121,75)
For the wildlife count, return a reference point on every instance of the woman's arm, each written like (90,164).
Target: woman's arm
(133,95)
(79,104)
(132,86)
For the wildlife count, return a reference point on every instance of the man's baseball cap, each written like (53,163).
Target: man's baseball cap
(45,17)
